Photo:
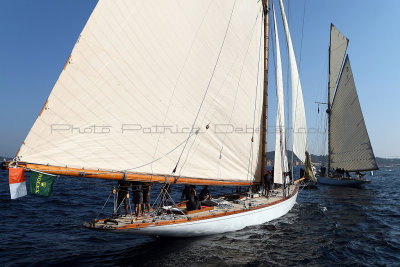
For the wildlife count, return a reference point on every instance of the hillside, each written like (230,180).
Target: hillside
(319,159)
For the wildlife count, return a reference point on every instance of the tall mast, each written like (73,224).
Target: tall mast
(328,111)
(265,94)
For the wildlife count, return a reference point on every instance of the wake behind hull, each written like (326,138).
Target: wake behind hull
(341,181)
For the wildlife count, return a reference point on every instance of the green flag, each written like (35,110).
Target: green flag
(41,183)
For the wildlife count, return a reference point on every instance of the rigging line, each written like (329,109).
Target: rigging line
(151,162)
(208,86)
(302,31)
(98,214)
(279,115)
(250,37)
(128,64)
(143,165)
(288,95)
(299,69)
(251,158)
(238,85)
(178,79)
(275,71)
(297,94)
(214,100)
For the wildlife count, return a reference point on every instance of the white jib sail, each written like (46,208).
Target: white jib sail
(134,85)
(280,161)
(298,111)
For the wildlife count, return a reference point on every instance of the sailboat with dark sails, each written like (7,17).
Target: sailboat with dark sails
(170,92)
(349,146)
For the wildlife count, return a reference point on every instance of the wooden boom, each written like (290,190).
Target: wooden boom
(128,176)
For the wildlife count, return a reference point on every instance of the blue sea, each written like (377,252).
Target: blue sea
(328,226)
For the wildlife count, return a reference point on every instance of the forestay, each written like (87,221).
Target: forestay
(350,145)
(133,89)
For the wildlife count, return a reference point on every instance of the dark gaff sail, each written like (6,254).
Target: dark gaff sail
(351,148)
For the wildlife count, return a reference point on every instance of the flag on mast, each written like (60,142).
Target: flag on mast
(16,179)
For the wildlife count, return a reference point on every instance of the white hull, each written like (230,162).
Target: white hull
(221,224)
(340,181)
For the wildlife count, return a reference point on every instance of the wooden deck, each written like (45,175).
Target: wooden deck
(174,216)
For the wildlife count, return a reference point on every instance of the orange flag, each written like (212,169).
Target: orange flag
(16,179)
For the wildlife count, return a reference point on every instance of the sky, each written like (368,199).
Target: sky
(37,37)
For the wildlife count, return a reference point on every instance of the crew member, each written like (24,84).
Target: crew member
(205,194)
(146,197)
(137,197)
(193,203)
(268,180)
(122,196)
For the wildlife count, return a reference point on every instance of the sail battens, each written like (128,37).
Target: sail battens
(129,176)
(127,100)
(351,148)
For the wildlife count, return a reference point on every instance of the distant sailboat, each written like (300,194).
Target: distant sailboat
(349,146)
(171,92)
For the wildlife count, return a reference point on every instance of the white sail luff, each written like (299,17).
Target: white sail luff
(131,93)
(280,161)
(298,110)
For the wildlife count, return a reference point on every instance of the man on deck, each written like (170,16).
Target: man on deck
(268,180)
(137,197)
(205,194)
(122,196)
(193,203)
(146,197)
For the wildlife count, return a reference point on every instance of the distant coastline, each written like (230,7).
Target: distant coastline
(319,160)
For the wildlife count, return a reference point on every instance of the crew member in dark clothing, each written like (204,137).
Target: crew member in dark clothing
(146,197)
(268,182)
(323,171)
(193,200)
(185,193)
(122,196)
(137,197)
(205,194)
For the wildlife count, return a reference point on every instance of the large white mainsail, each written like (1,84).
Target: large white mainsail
(128,101)
(298,110)
(280,161)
